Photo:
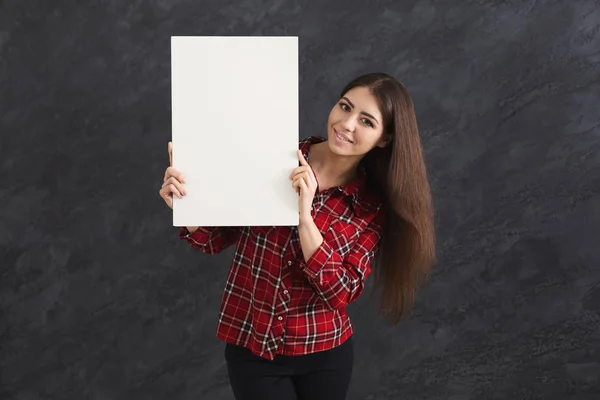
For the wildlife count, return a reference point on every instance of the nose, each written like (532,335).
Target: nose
(348,124)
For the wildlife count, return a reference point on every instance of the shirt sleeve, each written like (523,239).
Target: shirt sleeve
(339,281)
(211,240)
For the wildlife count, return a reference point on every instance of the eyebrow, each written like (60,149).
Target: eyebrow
(362,112)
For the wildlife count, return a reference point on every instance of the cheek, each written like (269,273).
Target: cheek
(331,117)
(367,138)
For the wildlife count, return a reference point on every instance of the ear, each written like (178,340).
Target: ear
(385,140)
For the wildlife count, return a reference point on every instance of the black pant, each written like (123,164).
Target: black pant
(323,375)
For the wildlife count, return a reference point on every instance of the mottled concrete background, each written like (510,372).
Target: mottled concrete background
(99,298)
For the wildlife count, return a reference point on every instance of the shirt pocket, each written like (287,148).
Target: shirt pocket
(260,231)
(343,235)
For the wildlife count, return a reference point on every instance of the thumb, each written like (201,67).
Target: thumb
(170,147)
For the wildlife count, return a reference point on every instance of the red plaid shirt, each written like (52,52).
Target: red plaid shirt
(276,303)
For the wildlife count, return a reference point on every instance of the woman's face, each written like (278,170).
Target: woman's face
(357,117)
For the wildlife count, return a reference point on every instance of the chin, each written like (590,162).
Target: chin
(332,147)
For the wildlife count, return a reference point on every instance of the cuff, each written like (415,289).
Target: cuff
(201,235)
(318,260)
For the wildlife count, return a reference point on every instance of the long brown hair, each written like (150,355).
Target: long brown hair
(398,173)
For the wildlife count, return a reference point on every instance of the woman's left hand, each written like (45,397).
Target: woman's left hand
(305,183)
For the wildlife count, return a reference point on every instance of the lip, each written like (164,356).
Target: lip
(341,134)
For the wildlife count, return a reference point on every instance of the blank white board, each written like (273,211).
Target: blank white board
(235,129)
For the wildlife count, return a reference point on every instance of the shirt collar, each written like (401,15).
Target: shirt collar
(356,191)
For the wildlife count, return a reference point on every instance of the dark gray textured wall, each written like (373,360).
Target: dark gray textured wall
(100,300)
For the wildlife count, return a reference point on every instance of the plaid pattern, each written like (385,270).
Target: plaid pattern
(276,303)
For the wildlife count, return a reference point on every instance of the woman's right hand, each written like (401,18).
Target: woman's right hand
(173,183)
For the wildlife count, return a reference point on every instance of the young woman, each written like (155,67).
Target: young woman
(361,190)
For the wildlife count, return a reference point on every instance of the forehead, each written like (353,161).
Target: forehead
(363,100)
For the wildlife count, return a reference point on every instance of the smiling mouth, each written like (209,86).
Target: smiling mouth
(341,137)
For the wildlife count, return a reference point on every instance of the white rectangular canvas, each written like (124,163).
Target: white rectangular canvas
(235,129)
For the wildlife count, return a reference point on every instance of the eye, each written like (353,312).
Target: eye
(344,107)
(367,122)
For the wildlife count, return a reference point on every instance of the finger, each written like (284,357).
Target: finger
(305,176)
(308,174)
(173,181)
(295,171)
(171,188)
(307,181)
(171,171)
(170,147)
(165,194)
(302,184)
(166,197)
(304,169)
(296,185)
(298,170)
(301,158)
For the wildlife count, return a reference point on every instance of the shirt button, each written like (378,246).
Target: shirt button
(280,318)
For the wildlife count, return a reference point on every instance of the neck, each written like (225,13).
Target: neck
(343,169)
